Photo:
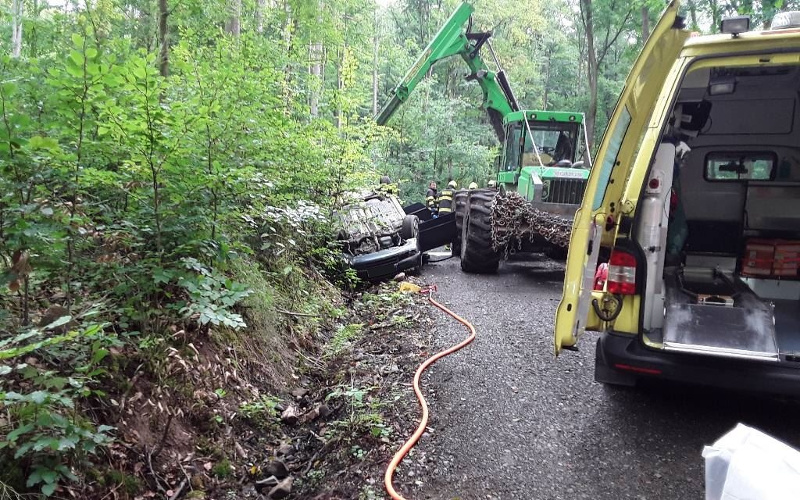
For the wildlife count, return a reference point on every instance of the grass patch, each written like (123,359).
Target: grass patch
(343,338)
(262,412)
(222,469)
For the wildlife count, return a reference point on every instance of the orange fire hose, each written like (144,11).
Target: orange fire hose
(412,441)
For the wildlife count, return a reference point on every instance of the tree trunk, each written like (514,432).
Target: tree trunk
(693,15)
(581,43)
(591,66)
(591,112)
(234,25)
(315,56)
(422,10)
(288,40)
(17,12)
(340,87)
(163,35)
(33,38)
(714,8)
(261,5)
(375,65)
(317,86)
(549,59)
(645,24)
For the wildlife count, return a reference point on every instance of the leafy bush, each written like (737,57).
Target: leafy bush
(363,415)
(262,412)
(128,188)
(46,433)
(212,296)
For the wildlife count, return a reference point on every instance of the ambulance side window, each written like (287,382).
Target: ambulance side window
(742,166)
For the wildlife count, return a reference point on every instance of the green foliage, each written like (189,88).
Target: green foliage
(211,297)
(200,201)
(193,203)
(222,469)
(386,304)
(439,138)
(343,338)
(46,434)
(357,451)
(262,411)
(363,415)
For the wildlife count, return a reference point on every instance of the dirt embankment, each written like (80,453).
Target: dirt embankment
(315,409)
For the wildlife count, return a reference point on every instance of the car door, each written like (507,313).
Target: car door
(596,220)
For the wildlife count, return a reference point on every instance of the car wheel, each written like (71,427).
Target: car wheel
(410,228)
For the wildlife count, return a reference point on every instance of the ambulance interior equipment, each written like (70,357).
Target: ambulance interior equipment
(724,190)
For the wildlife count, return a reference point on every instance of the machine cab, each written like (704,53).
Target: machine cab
(548,138)
(545,158)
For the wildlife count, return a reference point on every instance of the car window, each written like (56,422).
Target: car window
(740,166)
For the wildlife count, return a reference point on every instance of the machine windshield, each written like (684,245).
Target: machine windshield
(555,142)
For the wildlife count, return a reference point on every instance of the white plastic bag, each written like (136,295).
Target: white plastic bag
(746,464)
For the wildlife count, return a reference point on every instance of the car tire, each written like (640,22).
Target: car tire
(477,254)
(410,228)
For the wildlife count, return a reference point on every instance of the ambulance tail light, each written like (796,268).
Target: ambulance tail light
(621,273)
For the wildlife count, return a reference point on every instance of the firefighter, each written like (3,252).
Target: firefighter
(473,185)
(431,198)
(445,200)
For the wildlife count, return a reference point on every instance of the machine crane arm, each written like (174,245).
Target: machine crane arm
(455,38)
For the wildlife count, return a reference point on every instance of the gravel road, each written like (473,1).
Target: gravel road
(509,420)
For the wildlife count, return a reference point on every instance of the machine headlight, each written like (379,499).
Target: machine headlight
(545,190)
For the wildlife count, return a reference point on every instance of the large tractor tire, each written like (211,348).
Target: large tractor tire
(460,204)
(477,255)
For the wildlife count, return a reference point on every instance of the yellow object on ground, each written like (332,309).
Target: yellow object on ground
(407,287)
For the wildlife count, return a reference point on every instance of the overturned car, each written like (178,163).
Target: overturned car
(380,238)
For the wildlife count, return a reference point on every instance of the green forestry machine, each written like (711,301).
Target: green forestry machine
(540,180)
